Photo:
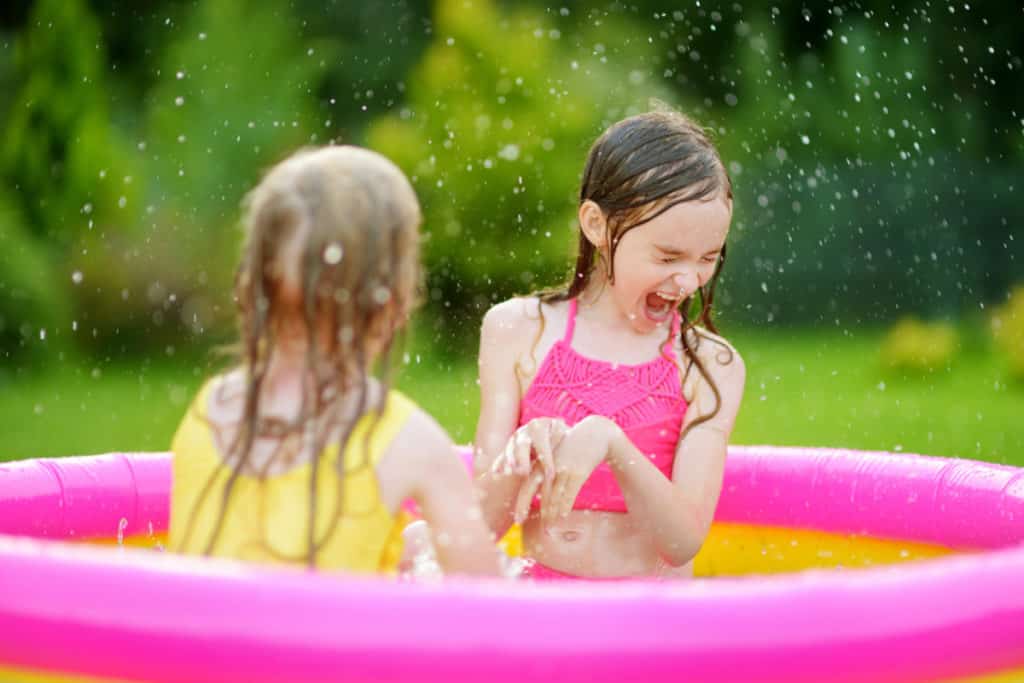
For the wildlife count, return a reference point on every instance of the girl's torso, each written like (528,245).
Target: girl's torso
(576,370)
(268,512)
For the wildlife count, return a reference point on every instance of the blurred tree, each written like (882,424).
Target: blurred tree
(498,119)
(877,148)
(218,113)
(65,167)
(33,305)
(221,110)
(872,187)
(375,46)
(59,151)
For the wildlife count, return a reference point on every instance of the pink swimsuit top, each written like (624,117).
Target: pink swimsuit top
(645,400)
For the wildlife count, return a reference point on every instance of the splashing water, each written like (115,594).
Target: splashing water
(121,526)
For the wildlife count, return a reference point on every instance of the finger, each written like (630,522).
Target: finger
(570,490)
(557,432)
(545,487)
(556,438)
(523,446)
(525,496)
(551,505)
(524,499)
(500,464)
(542,447)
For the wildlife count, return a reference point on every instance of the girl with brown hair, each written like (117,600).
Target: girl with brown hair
(299,454)
(613,397)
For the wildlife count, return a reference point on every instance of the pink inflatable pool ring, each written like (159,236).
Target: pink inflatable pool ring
(931,588)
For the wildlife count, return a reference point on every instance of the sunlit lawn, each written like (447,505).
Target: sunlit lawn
(820,389)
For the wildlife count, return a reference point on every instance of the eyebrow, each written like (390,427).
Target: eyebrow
(676,252)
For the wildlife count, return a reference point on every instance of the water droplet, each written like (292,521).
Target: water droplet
(509,152)
(333,253)
(77,277)
(179,100)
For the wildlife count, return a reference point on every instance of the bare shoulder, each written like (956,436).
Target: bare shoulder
(522,330)
(225,397)
(423,435)
(511,318)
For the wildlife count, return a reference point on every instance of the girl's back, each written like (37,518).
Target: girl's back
(300,455)
(269,520)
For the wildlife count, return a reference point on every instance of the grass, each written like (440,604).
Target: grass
(72,408)
(803,388)
(826,389)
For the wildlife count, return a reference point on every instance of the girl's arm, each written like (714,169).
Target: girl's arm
(679,512)
(422,464)
(504,328)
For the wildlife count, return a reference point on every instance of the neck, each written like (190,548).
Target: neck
(288,365)
(597,305)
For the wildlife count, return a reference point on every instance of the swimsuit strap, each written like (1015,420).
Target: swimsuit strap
(670,349)
(570,323)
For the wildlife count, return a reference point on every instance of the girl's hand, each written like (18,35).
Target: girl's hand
(539,437)
(583,447)
(419,557)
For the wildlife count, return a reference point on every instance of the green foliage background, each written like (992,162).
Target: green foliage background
(876,152)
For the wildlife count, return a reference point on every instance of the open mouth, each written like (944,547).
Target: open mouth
(659,306)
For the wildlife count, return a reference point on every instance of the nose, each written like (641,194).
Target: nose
(686,281)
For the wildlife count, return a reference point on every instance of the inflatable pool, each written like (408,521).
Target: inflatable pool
(931,588)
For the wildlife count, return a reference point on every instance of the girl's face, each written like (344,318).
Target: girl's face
(663,261)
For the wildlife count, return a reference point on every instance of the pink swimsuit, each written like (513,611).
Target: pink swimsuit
(645,400)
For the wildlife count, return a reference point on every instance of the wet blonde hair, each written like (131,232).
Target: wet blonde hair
(332,254)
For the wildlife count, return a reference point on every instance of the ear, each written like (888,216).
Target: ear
(594,224)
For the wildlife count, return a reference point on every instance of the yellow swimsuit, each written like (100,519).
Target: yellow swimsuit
(267,518)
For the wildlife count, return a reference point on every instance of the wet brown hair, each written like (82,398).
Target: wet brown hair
(332,254)
(636,170)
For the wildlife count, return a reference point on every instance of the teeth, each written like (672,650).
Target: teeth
(665,297)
